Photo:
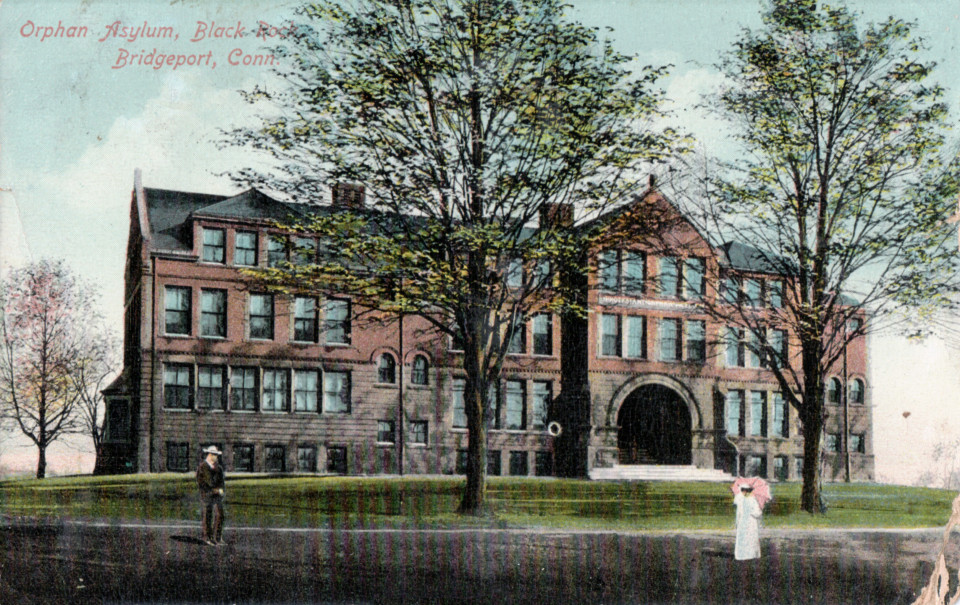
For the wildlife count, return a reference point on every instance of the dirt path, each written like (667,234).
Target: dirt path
(79,562)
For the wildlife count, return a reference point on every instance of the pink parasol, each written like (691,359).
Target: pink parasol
(761,490)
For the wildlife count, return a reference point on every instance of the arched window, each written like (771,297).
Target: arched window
(387,369)
(856,391)
(418,374)
(833,391)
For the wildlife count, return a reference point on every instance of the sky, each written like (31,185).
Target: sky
(78,113)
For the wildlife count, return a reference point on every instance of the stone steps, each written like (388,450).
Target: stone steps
(658,472)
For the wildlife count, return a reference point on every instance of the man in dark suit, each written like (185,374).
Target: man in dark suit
(210,482)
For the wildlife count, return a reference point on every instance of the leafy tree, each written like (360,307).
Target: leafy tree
(49,345)
(464,121)
(845,178)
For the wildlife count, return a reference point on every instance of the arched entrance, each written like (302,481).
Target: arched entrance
(654,427)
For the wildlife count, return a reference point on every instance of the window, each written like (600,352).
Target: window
(696,341)
(542,273)
(517,344)
(245,249)
(636,337)
(176,317)
(210,392)
(213,246)
(543,464)
(386,432)
(274,458)
(832,442)
(731,291)
(387,369)
(634,272)
(694,285)
(833,390)
(276,250)
(243,389)
(177,387)
(734,344)
(336,392)
(243,457)
(337,459)
(519,466)
(542,394)
(178,456)
(459,406)
(775,293)
(275,391)
(213,313)
(609,270)
(758,413)
(261,316)
(514,277)
(457,342)
(669,277)
(118,420)
(781,416)
(461,465)
(854,325)
(543,334)
(420,372)
(778,346)
(756,466)
(307,459)
(752,292)
(857,443)
(305,251)
(418,432)
(336,321)
(305,319)
(735,413)
(780,468)
(669,340)
(516,405)
(754,348)
(493,463)
(305,390)
(798,466)
(610,335)
(856,391)
(493,405)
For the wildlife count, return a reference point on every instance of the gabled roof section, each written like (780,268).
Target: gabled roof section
(251,204)
(743,257)
(652,217)
(169,211)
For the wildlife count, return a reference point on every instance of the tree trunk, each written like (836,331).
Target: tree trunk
(42,462)
(474,495)
(810,498)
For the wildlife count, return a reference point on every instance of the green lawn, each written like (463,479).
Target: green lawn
(312,501)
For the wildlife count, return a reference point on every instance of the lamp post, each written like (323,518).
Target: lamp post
(846,411)
(400,433)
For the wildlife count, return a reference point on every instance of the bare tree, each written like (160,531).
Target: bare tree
(49,356)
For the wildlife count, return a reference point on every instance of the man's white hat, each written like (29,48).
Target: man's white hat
(212,450)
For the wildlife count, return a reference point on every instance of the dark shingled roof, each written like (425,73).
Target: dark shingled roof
(250,204)
(743,257)
(169,212)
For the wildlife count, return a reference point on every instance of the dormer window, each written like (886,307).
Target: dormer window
(213,246)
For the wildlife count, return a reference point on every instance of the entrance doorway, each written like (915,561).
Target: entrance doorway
(655,427)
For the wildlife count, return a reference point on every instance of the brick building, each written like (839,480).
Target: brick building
(302,384)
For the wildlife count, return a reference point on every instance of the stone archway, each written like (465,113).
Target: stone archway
(654,427)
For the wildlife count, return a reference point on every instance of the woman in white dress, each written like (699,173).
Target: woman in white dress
(748,525)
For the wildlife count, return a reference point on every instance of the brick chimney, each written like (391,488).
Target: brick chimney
(348,195)
(556,215)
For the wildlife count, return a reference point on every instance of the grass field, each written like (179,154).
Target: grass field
(312,501)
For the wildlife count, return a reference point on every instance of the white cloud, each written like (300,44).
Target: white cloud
(686,94)
(174,140)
